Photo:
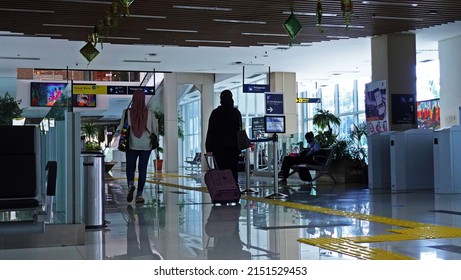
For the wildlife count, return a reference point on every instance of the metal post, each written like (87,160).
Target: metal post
(276,194)
(247,173)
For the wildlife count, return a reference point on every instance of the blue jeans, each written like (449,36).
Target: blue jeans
(131,159)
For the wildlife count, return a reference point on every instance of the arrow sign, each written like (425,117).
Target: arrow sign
(274,103)
(307,100)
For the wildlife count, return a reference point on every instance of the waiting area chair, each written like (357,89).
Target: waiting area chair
(194,164)
(322,163)
(25,203)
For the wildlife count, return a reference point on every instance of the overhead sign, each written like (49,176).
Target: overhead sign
(88,89)
(147,90)
(308,100)
(255,88)
(274,103)
(117,90)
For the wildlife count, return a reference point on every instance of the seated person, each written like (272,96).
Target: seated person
(304,157)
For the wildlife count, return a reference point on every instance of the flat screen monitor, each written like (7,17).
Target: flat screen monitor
(46,94)
(84,100)
(274,124)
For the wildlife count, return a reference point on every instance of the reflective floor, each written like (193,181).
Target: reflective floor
(322,221)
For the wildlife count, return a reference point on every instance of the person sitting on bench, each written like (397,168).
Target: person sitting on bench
(304,157)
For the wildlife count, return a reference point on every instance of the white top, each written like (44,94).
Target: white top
(142,143)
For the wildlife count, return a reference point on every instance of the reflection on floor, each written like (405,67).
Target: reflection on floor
(311,222)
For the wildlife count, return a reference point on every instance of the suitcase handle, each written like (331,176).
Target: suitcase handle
(211,162)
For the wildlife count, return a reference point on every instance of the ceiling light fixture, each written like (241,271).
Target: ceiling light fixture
(343,26)
(67,25)
(384,3)
(19,58)
(147,16)
(28,11)
(396,18)
(239,21)
(209,41)
(202,8)
(122,38)
(309,14)
(172,30)
(86,1)
(264,34)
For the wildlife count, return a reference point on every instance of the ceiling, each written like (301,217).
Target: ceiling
(216,36)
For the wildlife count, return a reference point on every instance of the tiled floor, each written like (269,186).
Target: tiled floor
(312,222)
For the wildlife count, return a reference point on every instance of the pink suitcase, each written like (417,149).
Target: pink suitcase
(221,185)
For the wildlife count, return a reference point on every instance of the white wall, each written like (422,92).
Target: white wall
(450,81)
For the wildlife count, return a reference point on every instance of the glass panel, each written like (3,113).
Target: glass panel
(346,98)
(361,93)
(328,98)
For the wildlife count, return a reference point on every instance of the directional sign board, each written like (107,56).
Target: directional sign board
(147,90)
(274,103)
(255,88)
(117,90)
(308,100)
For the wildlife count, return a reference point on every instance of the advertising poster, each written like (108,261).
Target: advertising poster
(428,113)
(376,107)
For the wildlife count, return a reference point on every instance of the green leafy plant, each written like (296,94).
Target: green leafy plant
(9,109)
(94,135)
(325,121)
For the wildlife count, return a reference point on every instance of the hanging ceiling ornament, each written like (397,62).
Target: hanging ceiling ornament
(89,51)
(348,11)
(319,11)
(292,26)
(126,4)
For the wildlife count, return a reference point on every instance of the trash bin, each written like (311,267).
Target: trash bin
(93,189)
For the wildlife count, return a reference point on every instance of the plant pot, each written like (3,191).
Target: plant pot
(158,165)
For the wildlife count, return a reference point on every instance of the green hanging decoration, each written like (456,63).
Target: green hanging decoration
(348,11)
(89,51)
(319,11)
(292,26)
(126,4)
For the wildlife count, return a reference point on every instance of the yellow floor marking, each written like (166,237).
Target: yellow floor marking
(348,245)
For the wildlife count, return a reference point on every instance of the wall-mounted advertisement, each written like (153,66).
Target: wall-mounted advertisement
(428,113)
(376,107)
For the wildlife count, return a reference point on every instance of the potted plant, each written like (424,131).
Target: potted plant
(9,109)
(93,135)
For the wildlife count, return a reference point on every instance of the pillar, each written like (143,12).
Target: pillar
(285,83)
(393,59)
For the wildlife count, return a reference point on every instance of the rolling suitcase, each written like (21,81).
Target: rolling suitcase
(221,184)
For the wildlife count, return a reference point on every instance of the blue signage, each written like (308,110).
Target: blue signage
(147,90)
(254,88)
(274,104)
(117,90)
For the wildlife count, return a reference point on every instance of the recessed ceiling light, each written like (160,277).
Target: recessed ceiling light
(264,34)
(172,30)
(122,38)
(239,21)
(308,14)
(28,11)
(147,16)
(209,41)
(202,8)
(385,3)
(397,18)
(343,26)
(68,25)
